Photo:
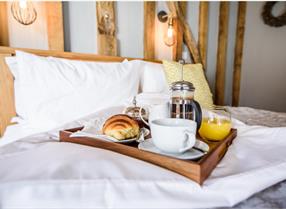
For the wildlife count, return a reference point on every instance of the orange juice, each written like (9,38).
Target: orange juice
(214,129)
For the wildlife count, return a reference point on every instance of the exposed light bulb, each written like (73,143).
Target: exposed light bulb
(170,38)
(23,4)
(170,31)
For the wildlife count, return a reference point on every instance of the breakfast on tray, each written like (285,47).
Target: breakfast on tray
(182,133)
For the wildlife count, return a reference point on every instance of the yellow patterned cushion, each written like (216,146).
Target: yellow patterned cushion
(193,73)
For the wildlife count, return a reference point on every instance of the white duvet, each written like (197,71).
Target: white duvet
(39,172)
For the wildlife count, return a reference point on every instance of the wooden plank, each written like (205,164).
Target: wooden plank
(221,53)
(7,105)
(4,33)
(106,30)
(55,25)
(149,29)
(71,55)
(203,31)
(189,39)
(178,27)
(238,52)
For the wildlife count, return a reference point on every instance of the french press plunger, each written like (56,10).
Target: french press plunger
(182,103)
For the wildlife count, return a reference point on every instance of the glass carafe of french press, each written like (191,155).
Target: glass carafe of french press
(182,103)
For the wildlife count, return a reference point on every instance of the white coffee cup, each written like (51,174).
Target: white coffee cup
(156,111)
(173,135)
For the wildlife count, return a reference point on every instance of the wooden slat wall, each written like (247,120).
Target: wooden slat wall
(149,29)
(221,53)
(238,51)
(4,33)
(56,40)
(106,30)
(203,31)
(178,27)
(55,25)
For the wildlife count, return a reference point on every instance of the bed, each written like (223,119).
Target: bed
(275,196)
(37,170)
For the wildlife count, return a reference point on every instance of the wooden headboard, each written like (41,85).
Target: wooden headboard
(7,101)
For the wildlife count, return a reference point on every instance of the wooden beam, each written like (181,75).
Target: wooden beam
(178,27)
(4,33)
(188,35)
(238,51)
(70,55)
(149,29)
(203,31)
(106,30)
(7,105)
(221,53)
(55,25)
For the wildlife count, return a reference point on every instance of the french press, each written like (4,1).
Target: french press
(182,103)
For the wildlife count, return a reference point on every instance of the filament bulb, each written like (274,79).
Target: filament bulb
(170,38)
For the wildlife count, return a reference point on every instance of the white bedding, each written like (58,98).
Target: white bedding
(38,171)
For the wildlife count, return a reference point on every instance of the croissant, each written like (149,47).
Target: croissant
(121,127)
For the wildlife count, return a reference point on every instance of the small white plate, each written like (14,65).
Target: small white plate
(191,154)
(125,141)
(108,138)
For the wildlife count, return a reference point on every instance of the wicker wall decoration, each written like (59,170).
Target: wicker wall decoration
(24,12)
(270,19)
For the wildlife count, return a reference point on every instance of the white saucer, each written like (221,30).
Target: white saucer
(191,154)
(126,141)
(108,138)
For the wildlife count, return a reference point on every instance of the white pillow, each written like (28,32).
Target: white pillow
(153,79)
(53,91)
(12,64)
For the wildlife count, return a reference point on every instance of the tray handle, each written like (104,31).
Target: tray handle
(227,144)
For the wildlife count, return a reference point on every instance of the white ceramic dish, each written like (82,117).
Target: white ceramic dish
(191,154)
(108,138)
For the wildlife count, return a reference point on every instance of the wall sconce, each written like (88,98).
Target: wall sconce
(170,36)
(24,12)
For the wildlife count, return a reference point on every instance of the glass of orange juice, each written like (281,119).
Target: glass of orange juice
(216,124)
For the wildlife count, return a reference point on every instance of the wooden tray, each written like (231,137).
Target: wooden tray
(197,170)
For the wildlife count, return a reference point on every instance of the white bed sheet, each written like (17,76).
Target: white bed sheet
(39,171)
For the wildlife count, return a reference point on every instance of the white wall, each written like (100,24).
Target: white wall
(212,43)
(263,83)
(230,52)
(130,28)
(80,26)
